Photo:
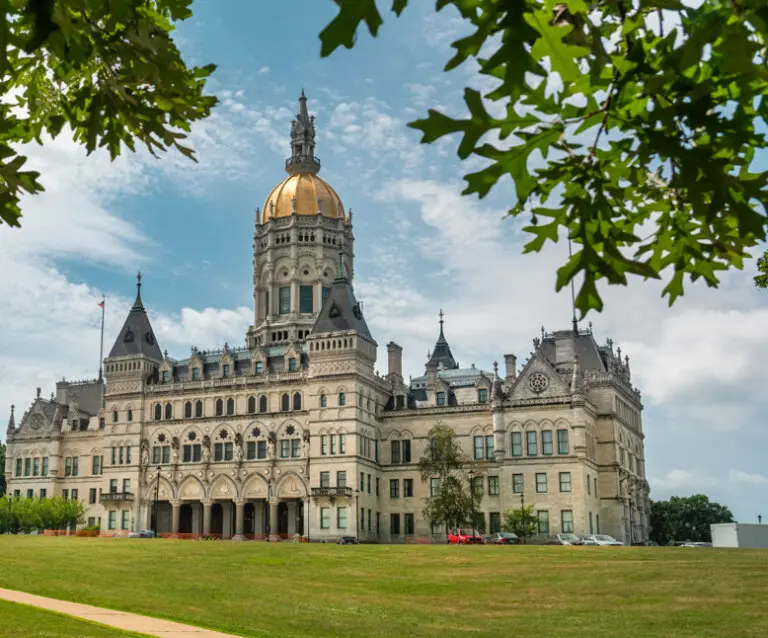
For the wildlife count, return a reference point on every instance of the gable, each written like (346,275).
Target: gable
(538,380)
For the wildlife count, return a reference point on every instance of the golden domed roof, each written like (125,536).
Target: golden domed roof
(306,194)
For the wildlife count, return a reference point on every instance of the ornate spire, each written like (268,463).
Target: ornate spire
(12,421)
(341,271)
(138,304)
(442,355)
(302,159)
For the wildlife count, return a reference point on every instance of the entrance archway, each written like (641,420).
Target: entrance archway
(217,519)
(282,518)
(249,518)
(185,519)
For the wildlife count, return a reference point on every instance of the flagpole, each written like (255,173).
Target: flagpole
(101,347)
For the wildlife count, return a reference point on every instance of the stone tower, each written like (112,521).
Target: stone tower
(302,235)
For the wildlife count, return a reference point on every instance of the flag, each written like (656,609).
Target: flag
(101,304)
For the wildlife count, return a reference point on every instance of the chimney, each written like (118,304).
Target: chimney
(510,362)
(394,359)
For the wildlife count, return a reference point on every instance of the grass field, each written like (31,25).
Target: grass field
(285,589)
(21,621)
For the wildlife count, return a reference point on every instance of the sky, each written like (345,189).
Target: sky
(420,246)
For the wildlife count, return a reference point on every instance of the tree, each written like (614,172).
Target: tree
(521,521)
(2,469)
(452,502)
(645,115)
(107,70)
(686,518)
(761,280)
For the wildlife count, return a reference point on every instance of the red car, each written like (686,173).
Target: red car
(465,537)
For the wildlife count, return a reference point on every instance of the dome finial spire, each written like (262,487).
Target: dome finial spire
(302,159)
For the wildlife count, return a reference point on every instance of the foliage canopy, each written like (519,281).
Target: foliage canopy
(686,518)
(521,521)
(630,125)
(106,69)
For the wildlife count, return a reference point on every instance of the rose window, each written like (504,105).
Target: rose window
(538,382)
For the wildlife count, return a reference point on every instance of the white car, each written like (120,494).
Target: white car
(600,539)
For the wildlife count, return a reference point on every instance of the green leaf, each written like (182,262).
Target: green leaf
(562,56)
(341,31)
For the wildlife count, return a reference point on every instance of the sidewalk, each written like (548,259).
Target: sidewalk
(118,619)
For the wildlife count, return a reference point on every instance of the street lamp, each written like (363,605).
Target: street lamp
(8,497)
(472,498)
(157,491)
(522,515)
(357,513)
(759,519)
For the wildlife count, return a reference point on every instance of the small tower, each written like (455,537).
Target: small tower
(135,356)
(441,357)
(11,425)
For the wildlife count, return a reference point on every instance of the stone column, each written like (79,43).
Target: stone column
(306,518)
(207,505)
(239,519)
(176,516)
(273,536)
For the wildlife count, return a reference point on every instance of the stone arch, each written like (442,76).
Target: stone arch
(255,486)
(198,435)
(262,427)
(546,424)
(218,431)
(281,430)
(530,424)
(191,489)
(291,486)
(223,487)
(156,439)
(164,493)
(406,434)
(562,424)
(393,435)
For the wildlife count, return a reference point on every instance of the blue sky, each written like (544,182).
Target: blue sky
(419,245)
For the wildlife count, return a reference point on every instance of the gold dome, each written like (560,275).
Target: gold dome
(305,192)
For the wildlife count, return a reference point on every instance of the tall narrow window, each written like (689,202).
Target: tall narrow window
(226,370)
(195,374)
(168,411)
(531,443)
(323,444)
(565,481)
(285,403)
(130,415)
(259,367)
(395,452)
(292,364)
(441,398)
(542,517)
(478,447)
(562,441)
(114,416)
(342,443)
(323,401)
(267,309)
(482,395)
(517,483)
(546,442)
(405,447)
(188,410)
(342,399)
(45,466)
(198,408)
(306,294)
(158,412)
(541,482)
(517,444)
(219,407)
(566,518)
(489,447)
(263,404)
(230,406)
(285,299)
(251,405)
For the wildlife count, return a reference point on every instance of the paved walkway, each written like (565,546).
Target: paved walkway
(119,619)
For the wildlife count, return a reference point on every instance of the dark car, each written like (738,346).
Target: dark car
(347,540)
(504,538)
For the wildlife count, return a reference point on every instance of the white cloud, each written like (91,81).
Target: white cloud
(263,70)
(737,476)
(682,480)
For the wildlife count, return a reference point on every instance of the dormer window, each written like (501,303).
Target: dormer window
(482,395)
(292,365)
(226,370)
(166,376)
(195,374)
(259,367)
(440,398)
(400,401)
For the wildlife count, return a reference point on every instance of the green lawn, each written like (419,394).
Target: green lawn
(286,589)
(21,621)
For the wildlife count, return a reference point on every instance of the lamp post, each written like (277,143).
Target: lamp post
(357,513)
(522,516)
(157,491)
(759,519)
(472,499)
(8,497)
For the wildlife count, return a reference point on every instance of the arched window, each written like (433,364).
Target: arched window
(323,401)
(198,408)
(130,415)
(168,411)
(297,400)
(251,405)
(285,403)
(114,416)
(263,405)
(230,406)
(188,410)
(158,412)
(342,399)
(219,407)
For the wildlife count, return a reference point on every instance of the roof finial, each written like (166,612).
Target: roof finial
(12,420)
(138,305)
(573,296)
(341,273)
(441,314)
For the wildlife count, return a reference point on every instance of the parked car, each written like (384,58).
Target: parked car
(600,539)
(145,533)
(463,536)
(564,539)
(348,540)
(504,538)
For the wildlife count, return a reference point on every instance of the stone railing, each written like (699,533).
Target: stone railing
(113,497)
(331,491)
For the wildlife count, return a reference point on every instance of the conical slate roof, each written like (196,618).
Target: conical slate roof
(341,311)
(442,352)
(136,335)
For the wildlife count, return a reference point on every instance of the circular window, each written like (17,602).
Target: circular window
(192,436)
(222,434)
(290,430)
(256,432)
(306,272)
(538,382)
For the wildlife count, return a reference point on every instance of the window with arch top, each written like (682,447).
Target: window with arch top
(198,408)
(263,403)
(251,405)
(297,400)
(285,403)
(342,398)
(158,412)
(230,407)
(168,411)
(188,410)
(219,407)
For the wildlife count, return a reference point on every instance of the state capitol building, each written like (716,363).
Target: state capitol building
(296,434)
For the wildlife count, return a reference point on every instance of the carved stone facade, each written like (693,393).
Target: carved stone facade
(296,434)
